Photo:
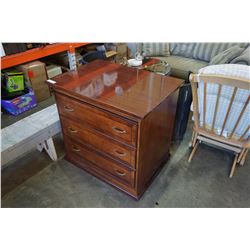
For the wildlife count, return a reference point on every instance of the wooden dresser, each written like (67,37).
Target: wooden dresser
(117,122)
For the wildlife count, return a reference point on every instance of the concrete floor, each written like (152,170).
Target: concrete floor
(36,181)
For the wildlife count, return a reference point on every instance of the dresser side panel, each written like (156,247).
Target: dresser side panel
(156,132)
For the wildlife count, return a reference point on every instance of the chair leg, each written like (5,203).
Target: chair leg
(193,151)
(191,142)
(244,157)
(241,155)
(194,139)
(233,166)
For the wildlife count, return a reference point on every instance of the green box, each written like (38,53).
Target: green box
(14,81)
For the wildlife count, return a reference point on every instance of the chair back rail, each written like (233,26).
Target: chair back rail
(229,109)
(219,80)
(216,107)
(204,105)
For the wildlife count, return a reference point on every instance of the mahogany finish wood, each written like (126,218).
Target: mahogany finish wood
(155,137)
(100,142)
(103,121)
(117,122)
(108,166)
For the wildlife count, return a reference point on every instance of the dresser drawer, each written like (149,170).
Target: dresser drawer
(98,141)
(109,166)
(105,122)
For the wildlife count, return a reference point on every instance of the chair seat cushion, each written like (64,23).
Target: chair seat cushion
(241,97)
(234,70)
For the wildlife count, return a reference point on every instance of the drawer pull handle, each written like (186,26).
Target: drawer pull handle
(72,130)
(74,148)
(118,130)
(120,153)
(120,173)
(68,109)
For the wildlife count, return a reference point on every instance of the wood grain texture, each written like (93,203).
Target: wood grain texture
(155,137)
(133,91)
(111,167)
(105,122)
(120,136)
(98,141)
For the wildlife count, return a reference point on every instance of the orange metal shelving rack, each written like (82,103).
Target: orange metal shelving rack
(33,54)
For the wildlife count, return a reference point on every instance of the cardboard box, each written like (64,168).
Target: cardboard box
(53,70)
(121,49)
(35,76)
(110,55)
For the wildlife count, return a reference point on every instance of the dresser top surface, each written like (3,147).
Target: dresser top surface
(134,91)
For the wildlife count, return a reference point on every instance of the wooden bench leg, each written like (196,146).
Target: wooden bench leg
(49,146)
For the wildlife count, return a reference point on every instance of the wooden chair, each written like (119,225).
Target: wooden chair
(206,119)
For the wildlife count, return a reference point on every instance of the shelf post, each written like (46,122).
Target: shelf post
(72,58)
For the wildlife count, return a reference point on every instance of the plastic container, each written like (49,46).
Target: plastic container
(13,81)
(20,104)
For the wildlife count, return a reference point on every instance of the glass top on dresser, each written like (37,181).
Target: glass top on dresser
(132,90)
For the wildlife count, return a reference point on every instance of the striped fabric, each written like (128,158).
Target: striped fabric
(233,70)
(227,55)
(182,49)
(155,49)
(244,58)
(182,66)
(206,51)
(171,47)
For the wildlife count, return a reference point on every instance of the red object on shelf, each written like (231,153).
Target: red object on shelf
(30,74)
(33,54)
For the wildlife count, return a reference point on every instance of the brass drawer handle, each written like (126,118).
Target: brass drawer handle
(120,173)
(74,148)
(72,130)
(68,109)
(122,154)
(118,130)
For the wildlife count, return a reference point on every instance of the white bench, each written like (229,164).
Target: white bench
(35,130)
